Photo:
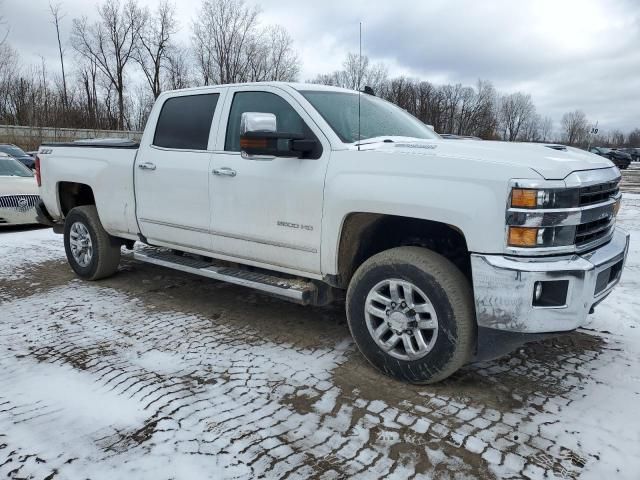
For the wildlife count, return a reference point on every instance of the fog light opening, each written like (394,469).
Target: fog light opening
(550,294)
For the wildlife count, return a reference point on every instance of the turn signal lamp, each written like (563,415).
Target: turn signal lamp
(523,237)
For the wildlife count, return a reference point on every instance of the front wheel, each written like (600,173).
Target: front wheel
(411,314)
(92,253)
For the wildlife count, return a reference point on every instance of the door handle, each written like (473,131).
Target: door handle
(147,166)
(224,171)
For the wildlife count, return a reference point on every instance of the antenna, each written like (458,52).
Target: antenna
(359,86)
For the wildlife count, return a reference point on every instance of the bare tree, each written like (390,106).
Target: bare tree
(356,74)
(617,138)
(110,43)
(575,127)
(154,41)
(56,19)
(270,56)
(89,79)
(546,129)
(5,35)
(282,61)
(515,111)
(221,34)
(633,139)
(177,68)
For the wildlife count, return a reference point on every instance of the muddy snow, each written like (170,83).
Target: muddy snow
(157,374)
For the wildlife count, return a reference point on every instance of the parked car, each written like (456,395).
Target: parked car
(18,193)
(634,152)
(284,188)
(621,159)
(18,154)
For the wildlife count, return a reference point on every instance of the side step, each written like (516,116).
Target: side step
(299,291)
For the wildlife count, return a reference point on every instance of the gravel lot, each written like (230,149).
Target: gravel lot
(157,374)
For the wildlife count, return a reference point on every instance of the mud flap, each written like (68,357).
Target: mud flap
(493,343)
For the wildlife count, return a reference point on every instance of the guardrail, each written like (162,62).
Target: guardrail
(29,138)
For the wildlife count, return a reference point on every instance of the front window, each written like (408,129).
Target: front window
(378,118)
(13,168)
(287,118)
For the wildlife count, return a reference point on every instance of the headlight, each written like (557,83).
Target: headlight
(562,216)
(545,198)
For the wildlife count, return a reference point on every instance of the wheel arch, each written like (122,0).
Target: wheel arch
(364,234)
(73,194)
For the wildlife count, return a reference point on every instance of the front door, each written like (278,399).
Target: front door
(268,210)
(172,173)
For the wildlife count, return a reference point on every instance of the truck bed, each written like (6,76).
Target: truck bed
(102,166)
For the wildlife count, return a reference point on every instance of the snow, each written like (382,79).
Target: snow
(98,383)
(20,250)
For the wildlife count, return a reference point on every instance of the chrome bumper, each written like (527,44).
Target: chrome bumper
(504,287)
(13,216)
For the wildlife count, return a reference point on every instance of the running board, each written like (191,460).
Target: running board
(300,291)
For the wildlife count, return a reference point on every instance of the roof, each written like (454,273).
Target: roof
(294,85)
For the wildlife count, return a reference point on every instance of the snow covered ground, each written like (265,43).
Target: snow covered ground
(156,374)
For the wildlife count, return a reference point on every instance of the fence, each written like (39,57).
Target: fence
(29,138)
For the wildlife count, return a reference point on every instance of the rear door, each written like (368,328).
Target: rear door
(268,211)
(172,170)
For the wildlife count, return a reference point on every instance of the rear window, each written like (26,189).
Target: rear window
(185,122)
(12,150)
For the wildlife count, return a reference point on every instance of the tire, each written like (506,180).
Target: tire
(105,250)
(449,298)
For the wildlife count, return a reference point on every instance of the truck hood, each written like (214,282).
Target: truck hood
(18,186)
(551,161)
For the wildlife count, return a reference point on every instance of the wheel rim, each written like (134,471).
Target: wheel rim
(80,243)
(401,319)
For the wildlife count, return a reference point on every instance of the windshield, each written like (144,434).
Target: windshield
(378,118)
(13,168)
(12,150)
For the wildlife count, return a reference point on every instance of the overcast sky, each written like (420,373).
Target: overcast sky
(568,54)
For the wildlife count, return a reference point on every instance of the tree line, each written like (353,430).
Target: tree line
(116,63)
(477,110)
(123,42)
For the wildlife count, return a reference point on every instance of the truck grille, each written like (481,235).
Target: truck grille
(598,193)
(20,203)
(592,232)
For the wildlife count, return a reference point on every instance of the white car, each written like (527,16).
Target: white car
(18,193)
(446,251)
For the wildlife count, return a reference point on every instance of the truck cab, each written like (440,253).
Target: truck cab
(444,251)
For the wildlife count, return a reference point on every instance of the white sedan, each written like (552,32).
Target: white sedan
(18,193)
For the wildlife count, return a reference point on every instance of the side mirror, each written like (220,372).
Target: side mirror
(260,139)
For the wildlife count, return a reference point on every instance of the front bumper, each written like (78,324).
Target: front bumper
(503,287)
(13,216)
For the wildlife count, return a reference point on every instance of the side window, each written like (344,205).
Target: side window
(287,118)
(185,122)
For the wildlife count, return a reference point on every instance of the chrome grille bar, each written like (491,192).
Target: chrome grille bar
(22,203)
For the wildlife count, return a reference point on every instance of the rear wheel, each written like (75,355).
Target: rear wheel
(411,313)
(91,251)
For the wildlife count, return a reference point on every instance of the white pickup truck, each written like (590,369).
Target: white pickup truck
(448,251)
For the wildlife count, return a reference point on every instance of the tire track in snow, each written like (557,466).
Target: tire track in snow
(219,394)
